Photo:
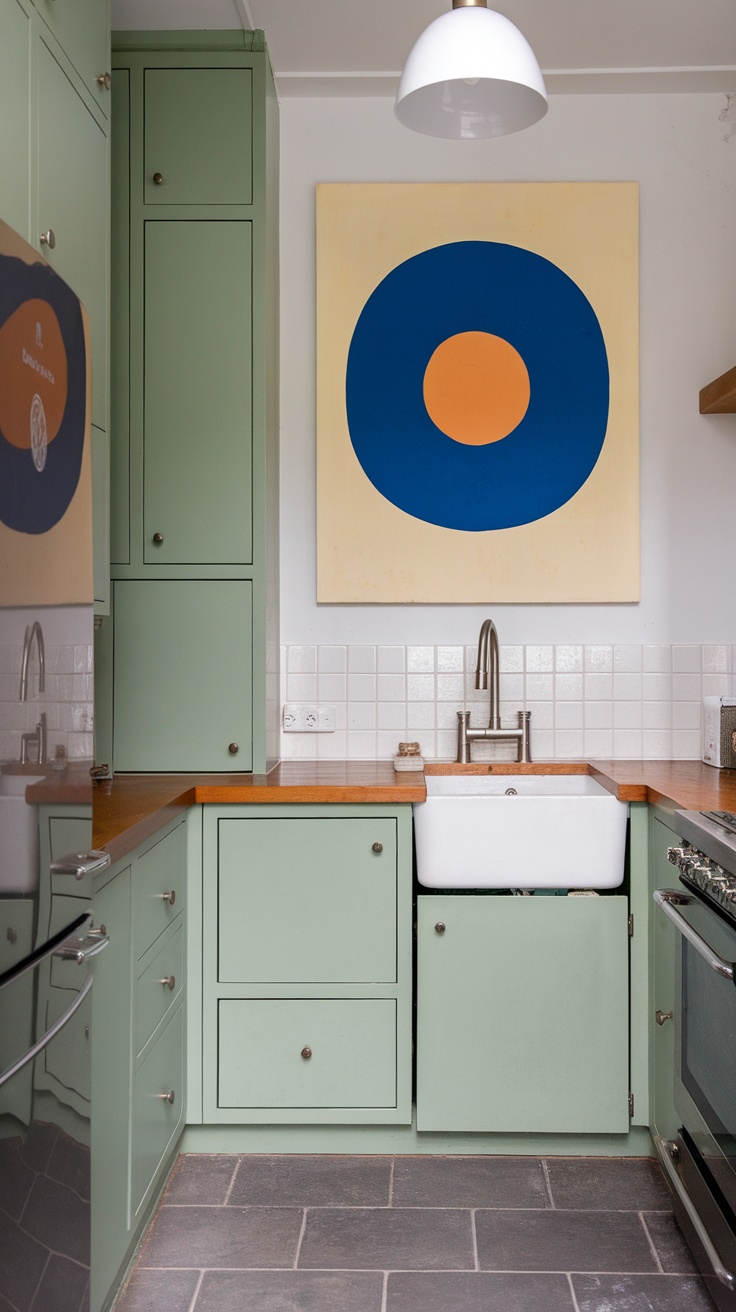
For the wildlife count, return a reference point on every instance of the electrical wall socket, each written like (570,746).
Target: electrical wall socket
(308,717)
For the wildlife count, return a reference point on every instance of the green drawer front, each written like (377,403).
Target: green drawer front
(155,1120)
(153,997)
(198,136)
(307,901)
(352,1062)
(161,871)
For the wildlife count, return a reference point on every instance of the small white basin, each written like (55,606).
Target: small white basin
(551,831)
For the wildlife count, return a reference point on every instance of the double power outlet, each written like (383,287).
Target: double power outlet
(308,717)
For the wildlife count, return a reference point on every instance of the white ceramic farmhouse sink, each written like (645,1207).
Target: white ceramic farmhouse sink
(519,831)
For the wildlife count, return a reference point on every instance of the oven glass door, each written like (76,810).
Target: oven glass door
(705,1075)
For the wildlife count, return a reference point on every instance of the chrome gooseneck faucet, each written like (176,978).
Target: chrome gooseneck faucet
(37,740)
(487,676)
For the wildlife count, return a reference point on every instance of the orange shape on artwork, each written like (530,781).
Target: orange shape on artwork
(32,364)
(476,388)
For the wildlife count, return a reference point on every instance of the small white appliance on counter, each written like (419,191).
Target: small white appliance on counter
(719,732)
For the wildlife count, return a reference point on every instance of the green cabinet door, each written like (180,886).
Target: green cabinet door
(198,136)
(72,202)
(522,1014)
(15,99)
(182,696)
(157,1111)
(120,344)
(664,1002)
(198,393)
(82,28)
(307,900)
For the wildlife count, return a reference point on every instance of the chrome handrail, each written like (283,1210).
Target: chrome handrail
(666,899)
(664,1149)
(48,1036)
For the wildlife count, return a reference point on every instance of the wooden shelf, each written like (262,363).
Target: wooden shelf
(719,397)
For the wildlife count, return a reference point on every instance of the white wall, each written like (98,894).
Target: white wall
(676,147)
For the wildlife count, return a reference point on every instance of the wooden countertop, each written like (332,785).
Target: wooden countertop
(131,808)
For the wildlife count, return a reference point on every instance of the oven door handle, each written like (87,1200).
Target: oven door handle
(664,1149)
(667,899)
(50,1033)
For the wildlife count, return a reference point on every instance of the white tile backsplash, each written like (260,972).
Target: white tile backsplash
(586,701)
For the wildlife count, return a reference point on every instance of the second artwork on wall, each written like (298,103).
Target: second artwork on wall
(477,376)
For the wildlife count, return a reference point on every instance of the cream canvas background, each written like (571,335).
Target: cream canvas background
(370,551)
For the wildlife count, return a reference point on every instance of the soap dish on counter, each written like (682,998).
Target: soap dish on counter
(409,757)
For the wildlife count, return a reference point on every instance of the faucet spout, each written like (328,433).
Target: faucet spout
(487,670)
(32,631)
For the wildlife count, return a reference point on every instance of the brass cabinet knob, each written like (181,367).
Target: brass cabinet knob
(662,1016)
(48,238)
(169,897)
(167,1097)
(158,179)
(306,1053)
(233,749)
(158,538)
(104,81)
(378,847)
(439,927)
(169,982)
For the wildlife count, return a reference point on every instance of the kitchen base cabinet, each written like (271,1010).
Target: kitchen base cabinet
(138,1047)
(663,936)
(307,965)
(522,1014)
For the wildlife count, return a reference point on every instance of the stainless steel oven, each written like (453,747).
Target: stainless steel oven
(700,1161)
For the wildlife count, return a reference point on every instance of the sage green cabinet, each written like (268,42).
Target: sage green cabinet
(139,1048)
(82,28)
(307,965)
(15,100)
(663,936)
(183,687)
(522,1014)
(194,403)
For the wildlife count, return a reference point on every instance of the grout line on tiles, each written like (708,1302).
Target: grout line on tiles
(547,1181)
(476,1261)
(391,1183)
(650,1241)
(299,1240)
(236,1169)
(195,1295)
(575,1304)
(384,1292)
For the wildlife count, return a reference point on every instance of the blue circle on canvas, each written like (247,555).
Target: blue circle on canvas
(514,294)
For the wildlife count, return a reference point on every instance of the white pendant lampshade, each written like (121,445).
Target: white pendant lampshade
(471,74)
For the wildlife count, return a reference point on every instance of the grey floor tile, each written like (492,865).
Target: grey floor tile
(201,1178)
(17,1178)
(672,1250)
(22,1263)
(414,1239)
(63,1287)
(477,1291)
(469,1182)
(322,1181)
(58,1218)
(158,1291)
(223,1237)
(562,1241)
(641,1294)
(290,1291)
(608,1183)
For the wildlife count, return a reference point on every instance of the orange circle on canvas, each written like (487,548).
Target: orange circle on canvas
(476,388)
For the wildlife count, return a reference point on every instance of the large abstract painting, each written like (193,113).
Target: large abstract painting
(477,392)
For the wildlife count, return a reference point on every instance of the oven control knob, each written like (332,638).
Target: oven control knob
(675,855)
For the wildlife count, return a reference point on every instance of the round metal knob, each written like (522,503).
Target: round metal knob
(158,179)
(662,1016)
(104,80)
(158,538)
(306,1053)
(378,847)
(169,897)
(233,749)
(48,238)
(439,927)
(167,1097)
(169,982)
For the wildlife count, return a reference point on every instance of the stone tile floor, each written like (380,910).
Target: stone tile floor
(414,1234)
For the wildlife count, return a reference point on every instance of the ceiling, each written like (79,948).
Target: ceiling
(357,47)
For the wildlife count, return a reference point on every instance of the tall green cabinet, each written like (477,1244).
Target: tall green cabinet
(189,659)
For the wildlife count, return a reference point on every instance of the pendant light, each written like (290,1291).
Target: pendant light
(471,74)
